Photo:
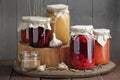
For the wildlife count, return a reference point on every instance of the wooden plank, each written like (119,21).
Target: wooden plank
(17,76)
(8,29)
(0,28)
(105,16)
(115,30)
(53,79)
(115,75)
(81,12)
(90,78)
(5,70)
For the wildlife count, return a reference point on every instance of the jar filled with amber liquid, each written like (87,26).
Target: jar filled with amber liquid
(102,46)
(60,23)
(30,60)
(82,47)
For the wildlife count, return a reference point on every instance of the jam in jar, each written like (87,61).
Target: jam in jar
(82,47)
(102,46)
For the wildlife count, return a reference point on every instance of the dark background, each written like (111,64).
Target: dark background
(100,13)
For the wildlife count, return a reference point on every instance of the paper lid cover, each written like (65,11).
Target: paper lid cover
(34,22)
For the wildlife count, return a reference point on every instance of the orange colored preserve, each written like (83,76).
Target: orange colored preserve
(102,46)
(60,21)
(25,36)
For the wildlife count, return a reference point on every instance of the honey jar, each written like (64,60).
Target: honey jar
(102,46)
(60,23)
(30,61)
(82,47)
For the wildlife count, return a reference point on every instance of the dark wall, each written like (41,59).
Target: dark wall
(100,13)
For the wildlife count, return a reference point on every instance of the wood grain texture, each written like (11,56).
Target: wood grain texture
(8,29)
(81,12)
(105,16)
(5,71)
(16,76)
(102,13)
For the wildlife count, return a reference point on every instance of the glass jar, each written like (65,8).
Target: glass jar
(60,21)
(24,30)
(82,47)
(30,61)
(39,30)
(102,46)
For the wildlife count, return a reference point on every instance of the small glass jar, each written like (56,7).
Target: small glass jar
(60,23)
(82,47)
(102,46)
(30,61)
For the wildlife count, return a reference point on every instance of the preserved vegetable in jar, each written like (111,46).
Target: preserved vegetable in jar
(82,47)
(24,30)
(39,30)
(102,46)
(60,21)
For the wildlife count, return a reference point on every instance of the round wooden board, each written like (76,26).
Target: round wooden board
(71,73)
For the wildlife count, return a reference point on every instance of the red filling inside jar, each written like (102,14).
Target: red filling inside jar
(39,37)
(25,36)
(82,52)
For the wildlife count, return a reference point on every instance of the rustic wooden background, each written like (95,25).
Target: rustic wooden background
(100,13)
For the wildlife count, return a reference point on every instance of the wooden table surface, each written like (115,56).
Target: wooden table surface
(7,73)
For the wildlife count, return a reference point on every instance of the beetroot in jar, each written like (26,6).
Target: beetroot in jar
(39,32)
(82,47)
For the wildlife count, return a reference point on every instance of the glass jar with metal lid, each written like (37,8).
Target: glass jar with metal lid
(60,21)
(82,47)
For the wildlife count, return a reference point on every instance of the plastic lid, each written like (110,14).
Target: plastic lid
(34,22)
(57,7)
(81,29)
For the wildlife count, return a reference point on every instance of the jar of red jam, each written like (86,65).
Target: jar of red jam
(102,46)
(82,47)
(39,31)
(24,31)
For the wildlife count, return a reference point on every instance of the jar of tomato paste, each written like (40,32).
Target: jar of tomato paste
(60,23)
(102,46)
(82,47)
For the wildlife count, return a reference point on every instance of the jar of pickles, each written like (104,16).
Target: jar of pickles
(30,61)
(102,46)
(82,47)
(60,23)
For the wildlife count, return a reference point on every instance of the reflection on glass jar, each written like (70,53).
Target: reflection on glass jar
(82,47)
(30,61)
